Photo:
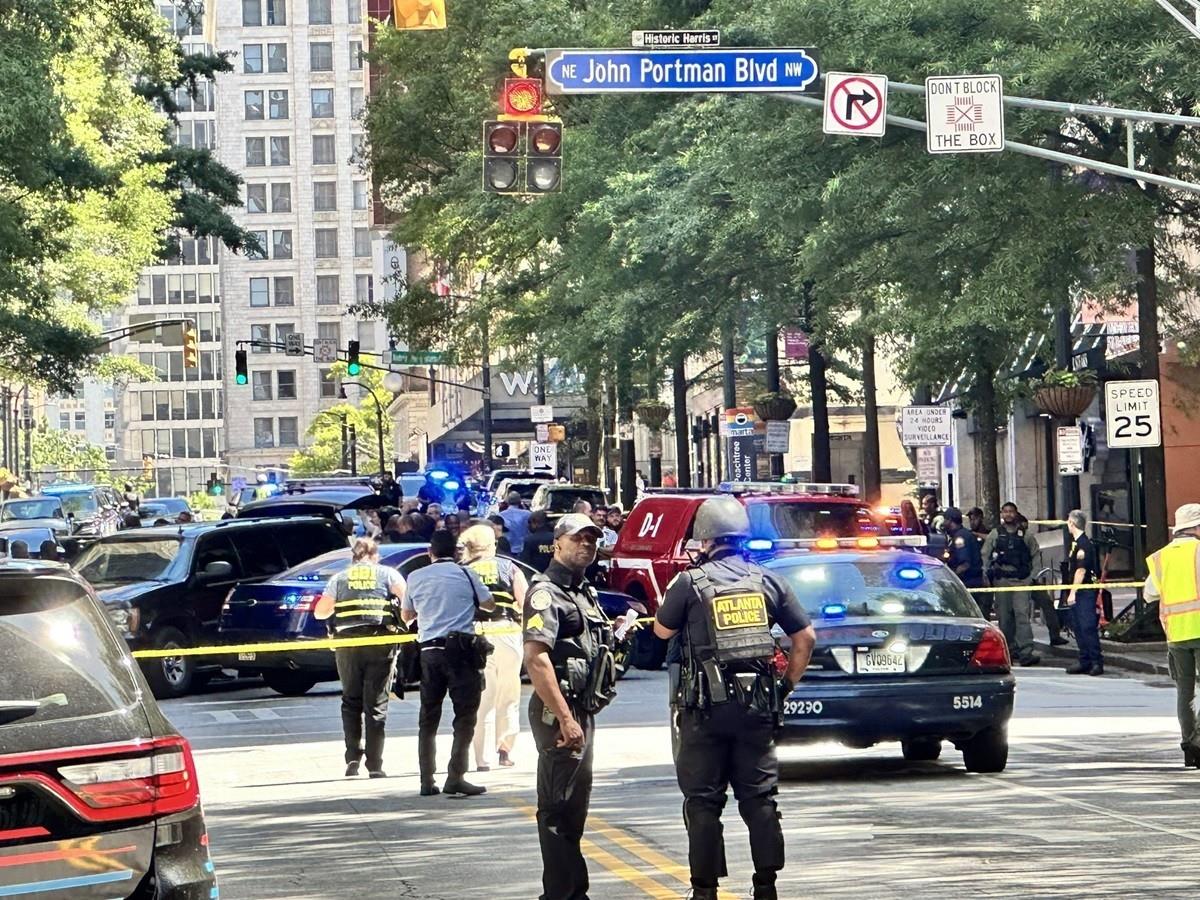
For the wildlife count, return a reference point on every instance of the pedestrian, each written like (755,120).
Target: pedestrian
(48,551)
(669,479)
(390,490)
(539,543)
(185,517)
(910,522)
(1084,566)
(503,545)
(422,526)
(18,550)
(976,524)
(930,516)
(132,498)
(1009,554)
(443,597)
(568,644)
(499,720)
(433,512)
(362,601)
(516,520)
(1175,584)
(614,519)
(582,507)
(452,524)
(430,492)
(725,608)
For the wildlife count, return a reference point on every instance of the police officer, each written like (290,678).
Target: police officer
(568,656)
(539,543)
(1084,566)
(362,601)
(963,556)
(1009,553)
(444,598)
(725,608)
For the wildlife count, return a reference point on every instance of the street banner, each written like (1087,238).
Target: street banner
(741,461)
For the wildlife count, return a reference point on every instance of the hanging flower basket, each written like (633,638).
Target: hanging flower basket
(1065,402)
(774,406)
(653,414)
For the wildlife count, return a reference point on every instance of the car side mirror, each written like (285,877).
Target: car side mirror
(216,570)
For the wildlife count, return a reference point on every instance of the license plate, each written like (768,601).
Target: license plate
(247,657)
(878,662)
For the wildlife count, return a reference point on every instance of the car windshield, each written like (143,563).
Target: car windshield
(563,501)
(153,510)
(525,488)
(808,519)
(117,561)
(82,504)
(37,508)
(895,587)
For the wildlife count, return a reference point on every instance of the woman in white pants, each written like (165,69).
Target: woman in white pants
(499,719)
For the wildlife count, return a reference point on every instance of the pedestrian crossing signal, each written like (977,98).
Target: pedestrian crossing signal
(242,376)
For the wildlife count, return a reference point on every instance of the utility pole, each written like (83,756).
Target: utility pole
(486,350)
(353,450)
(1064,346)
(774,384)
(345,442)
(27,413)
(541,379)
(5,399)
(872,472)
(1154,462)
(683,456)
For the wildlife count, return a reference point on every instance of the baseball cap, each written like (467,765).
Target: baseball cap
(953,514)
(573,523)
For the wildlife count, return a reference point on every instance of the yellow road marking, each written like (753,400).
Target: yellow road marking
(647,854)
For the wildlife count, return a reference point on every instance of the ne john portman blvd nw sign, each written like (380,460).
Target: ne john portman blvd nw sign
(680,71)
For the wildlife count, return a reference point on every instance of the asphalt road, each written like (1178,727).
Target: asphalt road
(1095,803)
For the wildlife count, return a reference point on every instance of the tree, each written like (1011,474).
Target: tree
(65,455)
(324,454)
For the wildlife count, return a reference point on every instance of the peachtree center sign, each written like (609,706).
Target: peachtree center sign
(680,71)
(925,426)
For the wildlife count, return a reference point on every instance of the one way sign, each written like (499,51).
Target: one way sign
(855,104)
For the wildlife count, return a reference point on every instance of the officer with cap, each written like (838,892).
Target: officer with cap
(963,555)
(725,607)
(1084,566)
(568,656)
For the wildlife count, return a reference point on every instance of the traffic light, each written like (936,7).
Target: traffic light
(215,488)
(502,157)
(239,362)
(543,170)
(191,355)
(522,97)
(353,366)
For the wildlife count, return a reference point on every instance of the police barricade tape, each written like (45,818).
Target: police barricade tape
(1102,524)
(1097,586)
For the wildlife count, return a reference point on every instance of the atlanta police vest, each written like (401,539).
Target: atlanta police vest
(739,629)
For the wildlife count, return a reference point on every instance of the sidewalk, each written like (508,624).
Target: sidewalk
(1148,659)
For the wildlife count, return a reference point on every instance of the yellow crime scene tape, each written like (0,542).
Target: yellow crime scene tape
(1102,524)
(1097,586)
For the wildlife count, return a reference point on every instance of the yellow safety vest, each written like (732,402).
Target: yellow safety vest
(1175,572)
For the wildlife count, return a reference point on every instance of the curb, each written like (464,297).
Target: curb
(1113,657)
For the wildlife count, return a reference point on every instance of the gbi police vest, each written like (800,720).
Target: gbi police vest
(362,599)
(497,576)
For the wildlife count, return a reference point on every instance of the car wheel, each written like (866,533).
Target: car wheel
(986,751)
(921,749)
(289,683)
(170,676)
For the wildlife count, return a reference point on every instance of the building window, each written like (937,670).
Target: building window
(261,382)
(206,404)
(110,420)
(143,290)
(331,331)
(322,103)
(277,57)
(264,433)
(260,292)
(256,151)
(281,197)
(81,420)
(282,243)
(360,194)
(276,12)
(210,443)
(326,243)
(320,56)
(354,11)
(261,253)
(364,289)
(289,433)
(146,406)
(64,421)
(329,385)
(204,325)
(324,150)
(320,12)
(284,296)
(362,242)
(253,104)
(324,196)
(281,334)
(358,146)
(252,59)
(256,198)
(260,338)
(327,290)
(281,151)
(356,59)
(357,101)
(366,336)
(251,12)
(287,384)
(277,107)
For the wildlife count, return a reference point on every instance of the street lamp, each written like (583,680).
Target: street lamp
(378,415)
(393,382)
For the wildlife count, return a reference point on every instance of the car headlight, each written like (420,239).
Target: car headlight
(125,619)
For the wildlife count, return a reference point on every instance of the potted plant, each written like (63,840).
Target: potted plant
(653,414)
(1064,393)
(774,406)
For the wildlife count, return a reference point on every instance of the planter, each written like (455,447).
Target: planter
(653,415)
(1065,402)
(775,408)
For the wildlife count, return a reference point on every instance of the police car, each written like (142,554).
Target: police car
(902,652)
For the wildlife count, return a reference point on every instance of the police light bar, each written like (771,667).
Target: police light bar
(858,543)
(771,487)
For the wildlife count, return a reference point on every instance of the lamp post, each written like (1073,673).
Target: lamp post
(378,416)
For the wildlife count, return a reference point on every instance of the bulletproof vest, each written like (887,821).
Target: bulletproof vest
(497,576)
(361,599)
(735,613)
(584,662)
(1012,554)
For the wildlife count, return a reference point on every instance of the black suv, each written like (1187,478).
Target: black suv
(164,587)
(98,793)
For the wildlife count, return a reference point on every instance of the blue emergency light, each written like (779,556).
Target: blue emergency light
(451,485)
(911,574)
(833,611)
(760,545)
(439,475)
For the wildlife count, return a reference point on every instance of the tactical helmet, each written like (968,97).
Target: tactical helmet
(721,518)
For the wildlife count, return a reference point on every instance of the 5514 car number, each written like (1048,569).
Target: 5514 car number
(968,701)
(803,707)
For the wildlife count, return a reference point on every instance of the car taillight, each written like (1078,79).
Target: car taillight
(991,655)
(159,781)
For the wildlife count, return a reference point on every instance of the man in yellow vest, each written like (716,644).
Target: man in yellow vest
(1175,582)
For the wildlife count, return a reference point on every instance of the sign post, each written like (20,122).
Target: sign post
(741,458)
(929,467)
(926,426)
(293,344)
(855,104)
(653,39)
(964,113)
(681,71)
(541,414)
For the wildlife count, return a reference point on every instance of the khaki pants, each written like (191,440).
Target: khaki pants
(499,720)
(1014,615)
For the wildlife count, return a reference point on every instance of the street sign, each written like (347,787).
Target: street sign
(541,414)
(929,469)
(779,437)
(542,432)
(1070,450)
(543,456)
(795,344)
(741,460)
(625,431)
(965,114)
(738,422)
(680,71)
(677,38)
(293,344)
(418,357)
(325,350)
(655,445)
(1132,414)
(925,426)
(855,104)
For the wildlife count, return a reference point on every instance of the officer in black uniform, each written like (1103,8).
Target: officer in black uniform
(725,607)
(964,557)
(539,543)
(568,656)
(1083,564)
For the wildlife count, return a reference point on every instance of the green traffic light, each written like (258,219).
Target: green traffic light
(217,490)
(353,369)
(242,379)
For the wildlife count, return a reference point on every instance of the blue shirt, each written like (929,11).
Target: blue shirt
(443,596)
(517,521)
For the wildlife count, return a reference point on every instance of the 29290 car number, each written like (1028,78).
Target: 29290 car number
(803,707)
(968,701)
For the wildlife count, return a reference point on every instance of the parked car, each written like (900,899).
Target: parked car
(39,512)
(99,795)
(34,535)
(162,508)
(327,502)
(94,510)
(526,487)
(164,586)
(557,499)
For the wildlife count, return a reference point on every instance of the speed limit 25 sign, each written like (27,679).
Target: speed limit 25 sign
(1132,414)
